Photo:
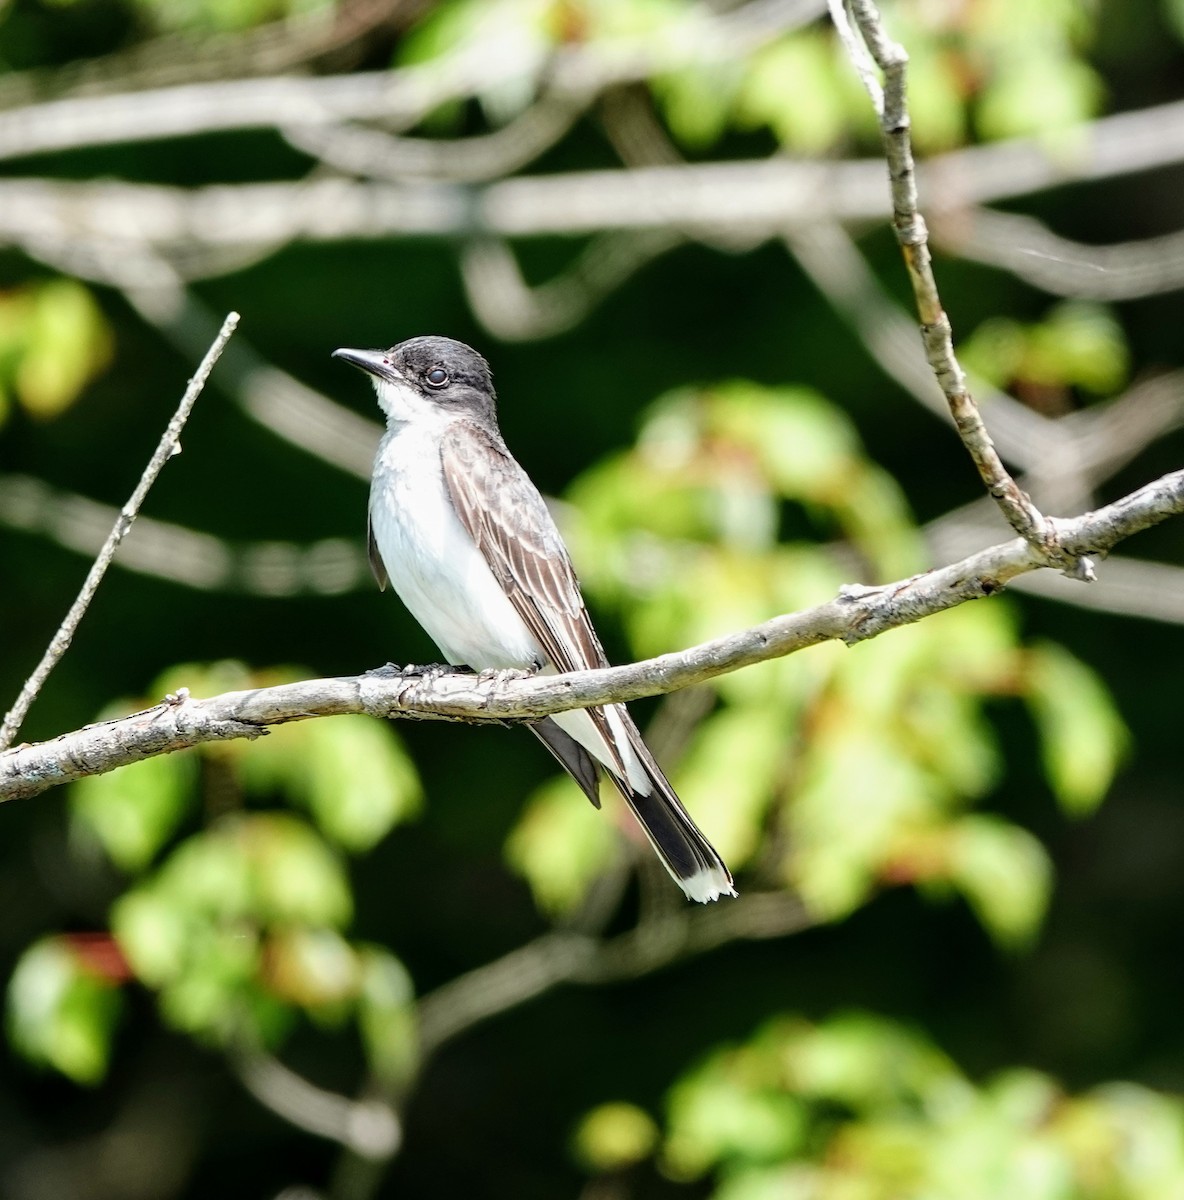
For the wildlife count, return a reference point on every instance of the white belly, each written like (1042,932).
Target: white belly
(433,565)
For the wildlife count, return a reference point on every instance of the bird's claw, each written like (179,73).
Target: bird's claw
(502,674)
(428,671)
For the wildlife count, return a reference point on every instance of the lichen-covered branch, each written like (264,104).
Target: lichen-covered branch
(856,614)
(170,444)
(891,104)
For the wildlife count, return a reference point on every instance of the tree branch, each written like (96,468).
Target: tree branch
(168,446)
(565,957)
(891,105)
(369,1127)
(857,613)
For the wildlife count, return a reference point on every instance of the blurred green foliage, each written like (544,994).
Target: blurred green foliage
(1004,68)
(54,340)
(861,1108)
(836,772)
(240,925)
(1078,345)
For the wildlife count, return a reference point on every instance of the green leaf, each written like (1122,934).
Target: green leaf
(859,1060)
(69,343)
(1078,343)
(1039,93)
(719,1112)
(805,443)
(387,1016)
(1005,874)
(698,102)
(614,1136)
(312,968)
(60,1013)
(1082,736)
(153,931)
(860,791)
(296,877)
(356,779)
(561,845)
(212,996)
(727,780)
(134,811)
(791,87)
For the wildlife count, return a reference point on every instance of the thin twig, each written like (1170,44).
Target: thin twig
(369,1127)
(169,445)
(891,106)
(856,614)
(557,958)
(1031,251)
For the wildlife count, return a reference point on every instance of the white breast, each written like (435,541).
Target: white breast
(433,564)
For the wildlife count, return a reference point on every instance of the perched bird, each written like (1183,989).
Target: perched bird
(465,539)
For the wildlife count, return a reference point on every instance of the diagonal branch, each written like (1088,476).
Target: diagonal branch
(169,445)
(856,614)
(891,104)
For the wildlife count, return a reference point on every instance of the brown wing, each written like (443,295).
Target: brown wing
(376,563)
(507,518)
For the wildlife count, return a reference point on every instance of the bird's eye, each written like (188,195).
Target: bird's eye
(437,377)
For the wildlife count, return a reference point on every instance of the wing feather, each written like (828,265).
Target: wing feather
(510,523)
(377,566)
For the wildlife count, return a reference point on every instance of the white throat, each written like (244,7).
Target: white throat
(403,404)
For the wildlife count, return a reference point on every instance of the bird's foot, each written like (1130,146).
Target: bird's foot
(428,671)
(502,674)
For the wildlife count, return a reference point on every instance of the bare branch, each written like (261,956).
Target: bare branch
(169,445)
(558,958)
(936,333)
(511,309)
(754,198)
(399,98)
(855,614)
(827,254)
(374,154)
(1030,250)
(278,401)
(369,1127)
(185,556)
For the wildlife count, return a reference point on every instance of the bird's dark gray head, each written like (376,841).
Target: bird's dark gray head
(428,375)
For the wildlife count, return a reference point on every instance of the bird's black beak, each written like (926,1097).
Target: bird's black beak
(373,362)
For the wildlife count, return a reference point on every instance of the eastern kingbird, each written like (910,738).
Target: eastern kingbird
(463,536)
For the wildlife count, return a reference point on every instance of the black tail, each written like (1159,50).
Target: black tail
(571,756)
(689,857)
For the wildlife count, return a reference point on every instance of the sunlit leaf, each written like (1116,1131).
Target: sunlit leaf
(1039,94)
(1082,736)
(210,997)
(1005,874)
(859,1060)
(861,789)
(134,811)
(698,103)
(561,845)
(60,1013)
(727,779)
(614,1136)
(153,930)
(718,1112)
(386,1015)
(791,87)
(68,344)
(295,875)
(310,967)
(357,780)
(1080,344)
